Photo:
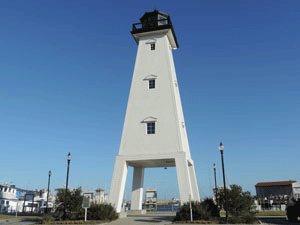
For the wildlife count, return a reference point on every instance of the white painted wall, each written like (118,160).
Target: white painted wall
(162,102)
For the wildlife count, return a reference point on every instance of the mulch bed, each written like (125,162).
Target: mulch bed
(198,222)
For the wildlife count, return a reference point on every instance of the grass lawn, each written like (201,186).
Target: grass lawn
(38,220)
(23,217)
(271,213)
(265,213)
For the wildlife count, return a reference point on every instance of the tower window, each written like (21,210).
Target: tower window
(151,128)
(152,46)
(151,84)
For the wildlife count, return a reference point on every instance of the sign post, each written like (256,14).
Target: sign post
(191,209)
(85,205)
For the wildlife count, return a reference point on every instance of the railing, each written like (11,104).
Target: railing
(152,24)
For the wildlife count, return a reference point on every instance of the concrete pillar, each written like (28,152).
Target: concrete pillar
(183,177)
(195,191)
(137,188)
(118,183)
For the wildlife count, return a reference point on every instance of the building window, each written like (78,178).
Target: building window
(152,46)
(151,84)
(151,128)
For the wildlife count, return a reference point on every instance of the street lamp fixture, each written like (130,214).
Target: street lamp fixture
(48,190)
(221,148)
(68,159)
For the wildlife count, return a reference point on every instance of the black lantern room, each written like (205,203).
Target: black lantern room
(153,21)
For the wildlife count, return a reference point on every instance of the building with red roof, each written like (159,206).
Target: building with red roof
(276,193)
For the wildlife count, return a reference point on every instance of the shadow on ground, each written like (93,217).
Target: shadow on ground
(30,220)
(277,221)
(23,221)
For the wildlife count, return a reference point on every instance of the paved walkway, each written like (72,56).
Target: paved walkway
(159,218)
(14,221)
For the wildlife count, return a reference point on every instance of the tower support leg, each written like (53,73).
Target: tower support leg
(137,188)
(118,183)
(194,184)
(184,180)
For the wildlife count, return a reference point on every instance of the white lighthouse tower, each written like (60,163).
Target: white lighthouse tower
(154,133)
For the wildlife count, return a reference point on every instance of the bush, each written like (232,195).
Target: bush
(101,212)
(74,210)
(206,210)
(293,210)
(211,207)
(47,218)
(246,218)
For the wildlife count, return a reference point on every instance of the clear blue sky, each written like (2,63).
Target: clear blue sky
(65,74)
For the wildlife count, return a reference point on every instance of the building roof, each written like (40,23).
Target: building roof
(153,13)
(8,185)
(276,183)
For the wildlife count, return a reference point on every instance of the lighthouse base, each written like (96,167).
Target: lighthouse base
(188,187)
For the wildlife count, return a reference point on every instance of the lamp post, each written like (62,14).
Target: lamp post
(221,148)
(48,190)
(215,182)
(68,159)
(215,175)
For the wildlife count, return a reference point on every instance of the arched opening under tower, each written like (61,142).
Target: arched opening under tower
(187,183)
(163,181)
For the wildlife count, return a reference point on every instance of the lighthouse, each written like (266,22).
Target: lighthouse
(154,132)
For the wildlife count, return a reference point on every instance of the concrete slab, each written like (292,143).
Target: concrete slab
(161,218)
(136,212)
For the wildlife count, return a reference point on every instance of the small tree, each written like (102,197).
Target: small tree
(239,204)
(74,210)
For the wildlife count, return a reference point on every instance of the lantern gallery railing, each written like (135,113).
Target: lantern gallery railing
(151,24)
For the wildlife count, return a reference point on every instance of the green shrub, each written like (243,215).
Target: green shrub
(292,210)
(47,218)
(246,218)
(211,207)
(101,212)
(206,210)
(74,210)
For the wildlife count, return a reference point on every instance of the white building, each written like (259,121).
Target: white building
(29,201)
(98,197)
(151,199)
(8,198)
(275,195)
(35,201)
(286,189)
(154,132)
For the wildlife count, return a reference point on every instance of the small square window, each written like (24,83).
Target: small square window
(151,84)
(151,128)
(152,47)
